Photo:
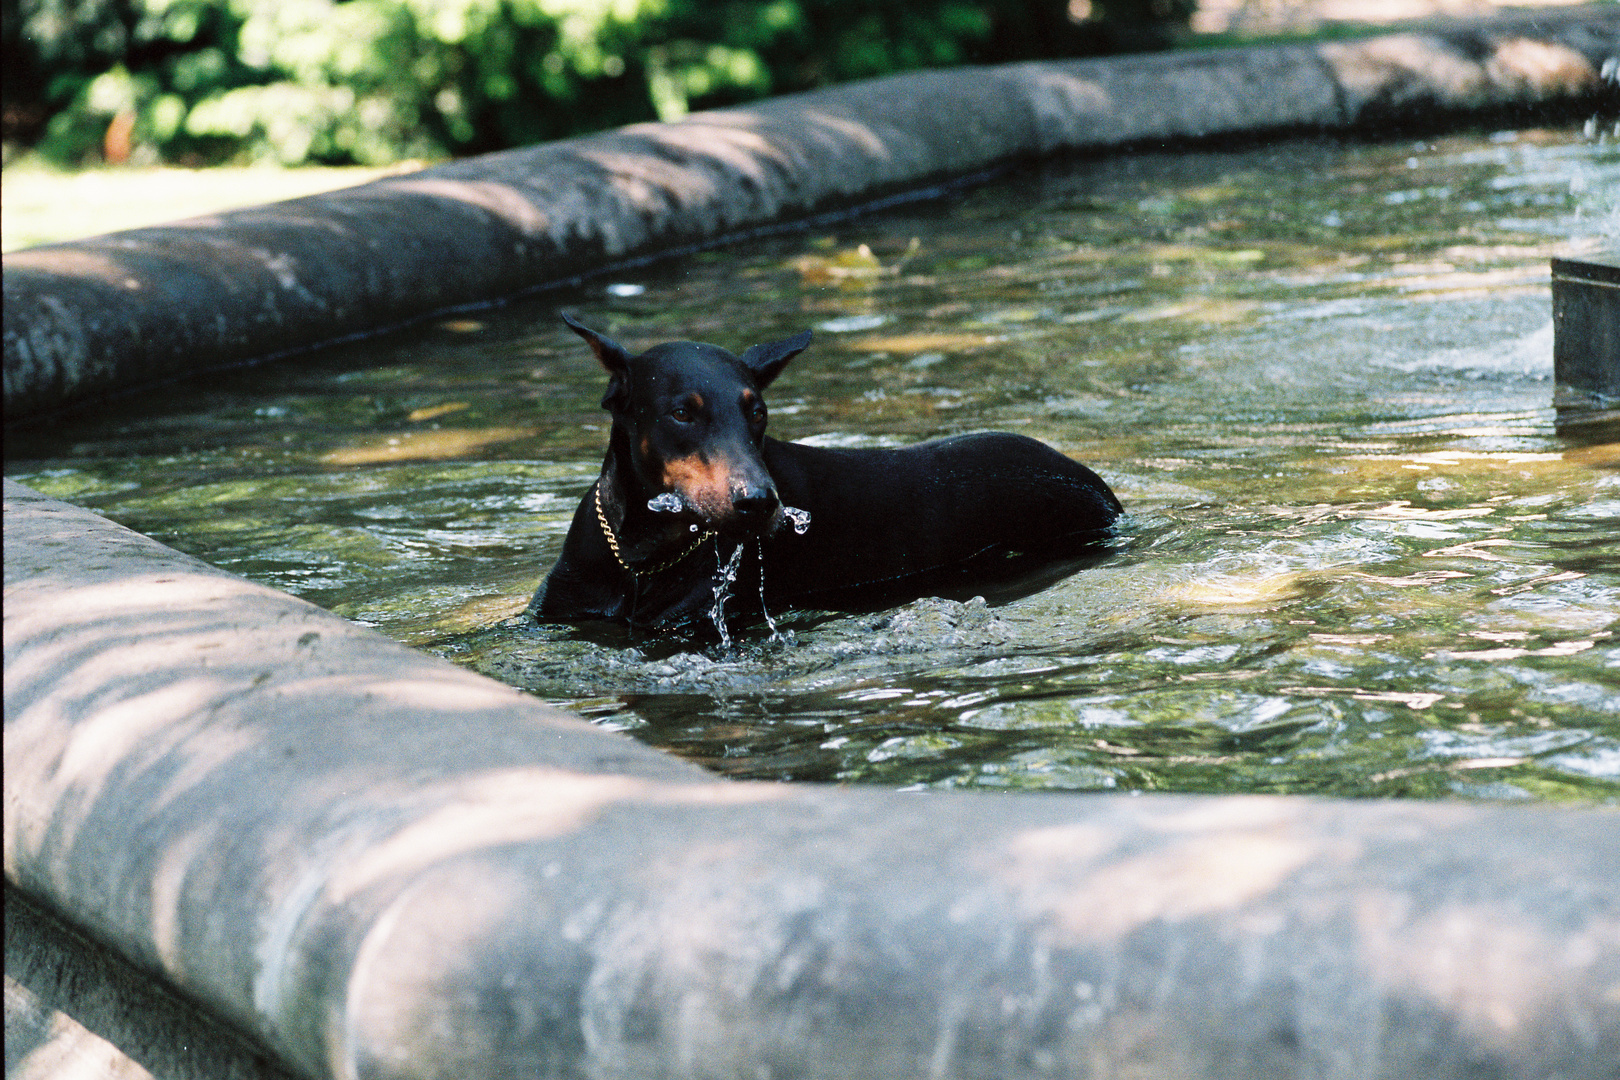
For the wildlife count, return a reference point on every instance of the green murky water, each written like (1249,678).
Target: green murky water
(1360,559)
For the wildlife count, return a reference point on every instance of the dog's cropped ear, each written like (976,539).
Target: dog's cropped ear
(612,356)
(767,361)
(609,352)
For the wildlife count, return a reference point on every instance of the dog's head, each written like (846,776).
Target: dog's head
(691,418)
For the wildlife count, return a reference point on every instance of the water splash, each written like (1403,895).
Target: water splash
(725,576)
(667,503)
(801,522)
(776,635)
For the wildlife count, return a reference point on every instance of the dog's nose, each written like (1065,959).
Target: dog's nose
(755,504)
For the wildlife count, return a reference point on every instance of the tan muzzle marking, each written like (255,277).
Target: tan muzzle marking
(705,485)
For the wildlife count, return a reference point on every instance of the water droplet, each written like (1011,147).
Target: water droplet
(692,528)
(667,503)
(800,518)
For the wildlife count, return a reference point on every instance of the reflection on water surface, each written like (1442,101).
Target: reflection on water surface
(1359,559)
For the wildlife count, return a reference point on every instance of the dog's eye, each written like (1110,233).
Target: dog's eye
(757,413)
(681,413)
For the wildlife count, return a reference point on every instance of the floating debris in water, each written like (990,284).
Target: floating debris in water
(851,323)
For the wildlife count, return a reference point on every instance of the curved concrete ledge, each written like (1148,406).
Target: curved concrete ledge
(381,866)
(131,308)
(75,1009)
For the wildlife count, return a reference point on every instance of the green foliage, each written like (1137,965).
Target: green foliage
(374,81)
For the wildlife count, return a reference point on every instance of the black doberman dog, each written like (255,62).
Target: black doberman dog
(690,480)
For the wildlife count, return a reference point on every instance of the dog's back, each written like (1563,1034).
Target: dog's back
(881,518)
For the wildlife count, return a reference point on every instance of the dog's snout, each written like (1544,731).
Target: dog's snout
(755,503)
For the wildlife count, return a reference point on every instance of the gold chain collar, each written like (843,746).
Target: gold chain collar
(613,543)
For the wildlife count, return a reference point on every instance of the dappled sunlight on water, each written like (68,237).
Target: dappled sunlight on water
(1359,558)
